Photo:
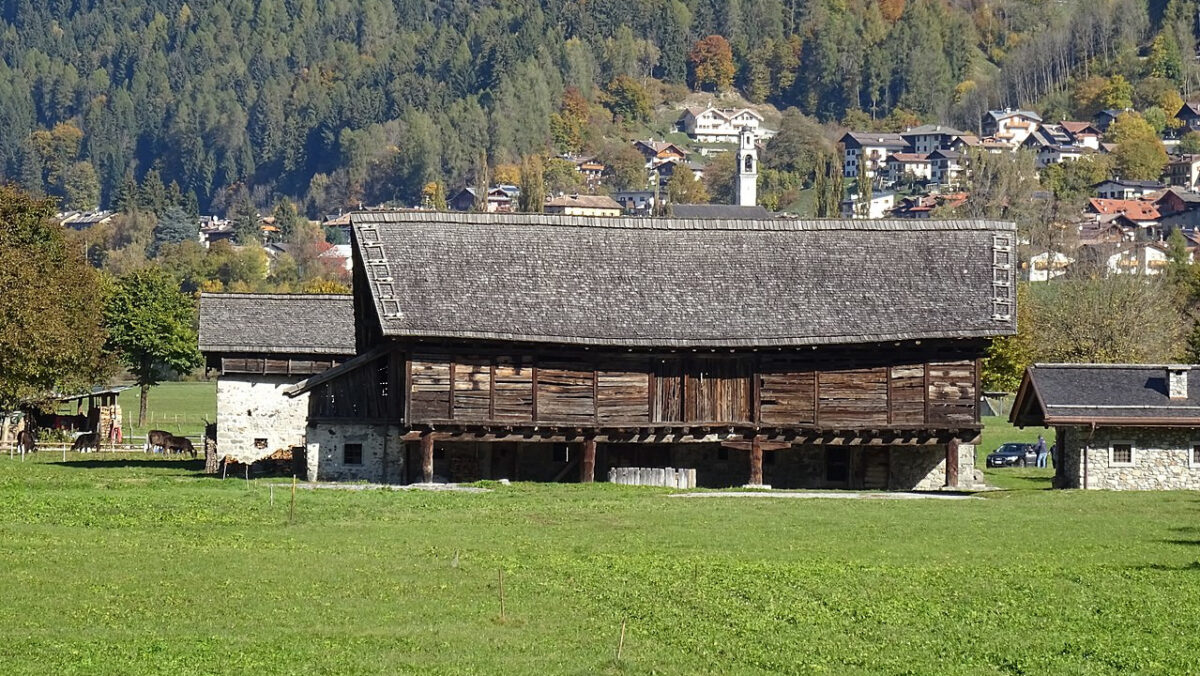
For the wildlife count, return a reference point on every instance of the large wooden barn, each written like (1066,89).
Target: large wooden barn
(787,353)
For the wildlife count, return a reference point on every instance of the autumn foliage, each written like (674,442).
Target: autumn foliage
(712,63)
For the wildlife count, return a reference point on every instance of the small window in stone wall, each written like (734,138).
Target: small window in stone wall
(1122,454)
(1195,458)
(352,454)
(260,444)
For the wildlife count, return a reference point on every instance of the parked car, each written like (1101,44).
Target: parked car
(1012,454)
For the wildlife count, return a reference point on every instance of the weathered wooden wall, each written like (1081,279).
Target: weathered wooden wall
(277,365)
(368,393)
(837,389)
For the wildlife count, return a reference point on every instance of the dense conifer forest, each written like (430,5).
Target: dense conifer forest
(337,102)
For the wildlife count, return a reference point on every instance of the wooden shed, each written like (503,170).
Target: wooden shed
(791,353)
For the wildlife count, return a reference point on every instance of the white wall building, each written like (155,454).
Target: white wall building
(722,125)
(260,345)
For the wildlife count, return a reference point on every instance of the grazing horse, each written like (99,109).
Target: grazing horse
(180,445)
(86,443)
(156,440)
(26,443)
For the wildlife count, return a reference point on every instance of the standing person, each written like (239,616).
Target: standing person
(1040,449)
(1051,455)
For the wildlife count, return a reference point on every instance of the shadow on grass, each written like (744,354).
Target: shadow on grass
(1193,566)
(115,463)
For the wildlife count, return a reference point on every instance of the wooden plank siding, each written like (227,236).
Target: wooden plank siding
(590,390)
(839,391)
(297,366)
(367,392)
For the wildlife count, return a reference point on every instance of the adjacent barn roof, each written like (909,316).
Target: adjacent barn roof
(1104,394)
(271,323)
(684,283)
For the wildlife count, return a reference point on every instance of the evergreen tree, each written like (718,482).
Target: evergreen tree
(174,226)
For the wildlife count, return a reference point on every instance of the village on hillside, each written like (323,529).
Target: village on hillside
(600,337)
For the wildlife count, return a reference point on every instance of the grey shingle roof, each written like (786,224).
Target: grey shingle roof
(1108,391)
(277,323)
(719,211)
(680,282)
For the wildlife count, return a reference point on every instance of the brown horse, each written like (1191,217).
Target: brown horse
(86,443)
(156,440)
(26,442)
(180,445)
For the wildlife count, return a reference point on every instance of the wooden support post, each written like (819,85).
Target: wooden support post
(587,465)
(427,457)
(952,464)
(756,462)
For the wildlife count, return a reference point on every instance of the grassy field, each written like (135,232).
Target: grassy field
(142,565)
(997,431)
(176,407)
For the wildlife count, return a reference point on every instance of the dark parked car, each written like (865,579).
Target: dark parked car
(1012,454)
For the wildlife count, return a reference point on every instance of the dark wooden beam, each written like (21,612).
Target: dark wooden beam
(534,388)
(749,445)
(756,462)
(427,457)
(952,464)
(492,391)
(587,465)
(450,413)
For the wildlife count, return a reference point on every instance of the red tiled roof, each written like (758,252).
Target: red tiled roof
(1136,210)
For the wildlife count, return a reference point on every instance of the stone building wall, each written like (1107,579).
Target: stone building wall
(1160,459)
(256,419)
(382,453)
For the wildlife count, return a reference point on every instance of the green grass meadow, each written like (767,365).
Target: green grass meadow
(178,407)
(141,565)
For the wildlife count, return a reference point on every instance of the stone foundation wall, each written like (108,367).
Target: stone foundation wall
(383,453)
(252,408)
(1160,459)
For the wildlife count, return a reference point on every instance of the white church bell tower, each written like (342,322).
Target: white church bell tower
(747,160)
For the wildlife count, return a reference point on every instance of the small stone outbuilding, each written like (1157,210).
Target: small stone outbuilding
(259,345)
(1117,426)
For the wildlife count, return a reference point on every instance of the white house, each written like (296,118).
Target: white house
(930,137)
(721,125)
(865,153)
(947,166)
(1121,189)
(1139,259)
(1184,171)
(909,165)
(877,206)
(1044,267)
(1011,126)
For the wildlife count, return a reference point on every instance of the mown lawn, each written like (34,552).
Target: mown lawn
(140,565)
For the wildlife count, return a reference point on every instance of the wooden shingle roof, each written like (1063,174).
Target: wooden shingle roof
(272,323)
(684,283)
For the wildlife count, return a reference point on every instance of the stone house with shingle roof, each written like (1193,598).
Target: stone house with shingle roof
(1118,426)
(259,345)
(538,347)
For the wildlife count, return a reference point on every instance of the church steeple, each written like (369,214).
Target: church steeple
(747,161)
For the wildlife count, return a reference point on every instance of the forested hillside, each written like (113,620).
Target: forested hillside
(333,102)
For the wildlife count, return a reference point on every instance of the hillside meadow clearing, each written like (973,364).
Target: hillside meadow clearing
(137,564)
